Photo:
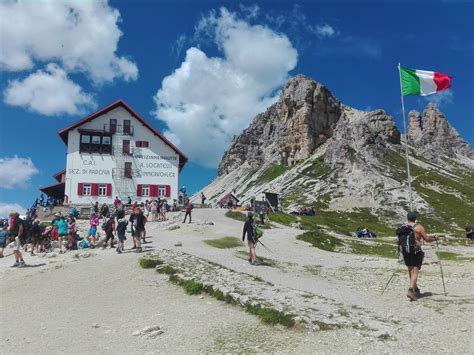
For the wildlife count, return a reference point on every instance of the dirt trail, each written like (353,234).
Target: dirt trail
(95,304)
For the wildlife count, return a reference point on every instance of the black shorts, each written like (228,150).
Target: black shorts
(414,259)
(137,232)
(470,236)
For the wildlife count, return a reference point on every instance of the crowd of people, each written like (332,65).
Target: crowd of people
(107,227)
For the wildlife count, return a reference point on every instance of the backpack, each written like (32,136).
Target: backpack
(104,226)
(406,240)
(257,231)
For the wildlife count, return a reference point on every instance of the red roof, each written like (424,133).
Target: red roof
(57,176)
(120,103)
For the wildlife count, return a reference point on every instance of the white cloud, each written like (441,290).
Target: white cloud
(207,100)
(16,172)
(49,92)
(442,98)
(324,31)
(178,45)
(7,208)
(82,35)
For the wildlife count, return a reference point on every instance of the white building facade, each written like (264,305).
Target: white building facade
(115,152)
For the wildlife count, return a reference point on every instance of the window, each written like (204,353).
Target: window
(126,147)
(128,170)
(95,139)
(106,140)
(113,125)
(102,189)
(141,144)
(161,191)
(145,190)
(86,189)
(85,139)
(126,127)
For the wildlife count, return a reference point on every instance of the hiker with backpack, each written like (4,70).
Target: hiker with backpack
(109,228)
(137,221)
(249,231)
(409,245)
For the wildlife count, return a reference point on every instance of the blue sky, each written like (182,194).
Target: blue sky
(200,70)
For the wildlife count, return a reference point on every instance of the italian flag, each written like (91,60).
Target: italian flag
(422,82)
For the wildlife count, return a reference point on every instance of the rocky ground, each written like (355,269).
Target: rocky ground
(98,301)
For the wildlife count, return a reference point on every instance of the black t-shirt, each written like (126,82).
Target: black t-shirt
(138,221)
(17,222)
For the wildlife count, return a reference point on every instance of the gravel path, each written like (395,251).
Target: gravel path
(76,304)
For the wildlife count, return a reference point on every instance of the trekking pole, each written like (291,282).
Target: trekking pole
(391,277)
(440,266)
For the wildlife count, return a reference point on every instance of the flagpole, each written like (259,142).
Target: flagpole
(406,141)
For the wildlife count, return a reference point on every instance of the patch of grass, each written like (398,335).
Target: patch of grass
(238,216)
(317,169)
(271,316)
(371,247)
(167,269)
(218,295)
(446,255)
(271,173)
(147,262)
(192,287)
(282,218)
(346,222)
(318,239)
(313,269)
(224,243)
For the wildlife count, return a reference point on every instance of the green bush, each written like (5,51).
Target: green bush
(192,287)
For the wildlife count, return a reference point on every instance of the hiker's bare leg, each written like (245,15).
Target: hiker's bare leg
(414,277)
(253,253)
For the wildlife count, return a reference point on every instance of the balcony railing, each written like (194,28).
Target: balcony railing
(120,129)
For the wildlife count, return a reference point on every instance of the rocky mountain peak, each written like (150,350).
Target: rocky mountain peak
(290,130)
(433,136)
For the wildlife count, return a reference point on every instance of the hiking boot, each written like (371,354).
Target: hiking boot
(119,251)
(417,292)
(411,294)
(16,264)
(22,264)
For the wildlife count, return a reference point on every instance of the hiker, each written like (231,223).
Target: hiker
(163,210)
(409,244)
(203,199)
(94,222)
(109,232)
(189,208)
(3,237)
(34,236)
(249,231)
(129,201)
(96,207)
(116,202)
(61,225)
(469,234)
(154,210)
(71,236)
(137,221)
(104,211)
(121,228)
(17,234)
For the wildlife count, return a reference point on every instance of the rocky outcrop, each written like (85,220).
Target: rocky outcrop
(433,136)
(303,118)
(361,135)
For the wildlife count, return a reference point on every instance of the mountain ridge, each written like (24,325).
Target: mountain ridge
(314,150)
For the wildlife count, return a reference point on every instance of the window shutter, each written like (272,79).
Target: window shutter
(153,190)
(167,191)
(139,190)
(80,189)
(94,189)
(109,189)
